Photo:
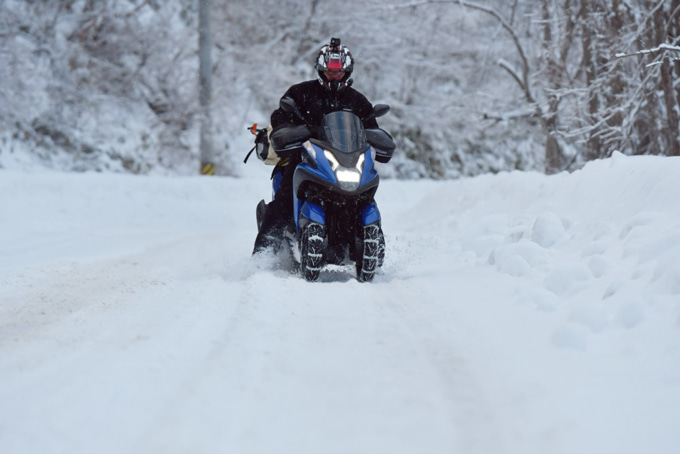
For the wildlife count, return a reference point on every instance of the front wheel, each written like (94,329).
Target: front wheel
(373,253)
(312,246)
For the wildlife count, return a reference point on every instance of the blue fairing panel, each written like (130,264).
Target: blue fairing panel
(369,172)
(276,182)
(313,212)
(370,214)
(323,168)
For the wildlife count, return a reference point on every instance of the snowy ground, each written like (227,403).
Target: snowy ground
(516,313)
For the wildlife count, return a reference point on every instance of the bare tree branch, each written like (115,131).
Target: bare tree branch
(526,88)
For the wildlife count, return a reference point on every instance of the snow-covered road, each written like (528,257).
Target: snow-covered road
(516,313)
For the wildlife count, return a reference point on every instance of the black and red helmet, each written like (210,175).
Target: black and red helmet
(334,56)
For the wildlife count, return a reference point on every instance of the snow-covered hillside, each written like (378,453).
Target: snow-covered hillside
(516,313)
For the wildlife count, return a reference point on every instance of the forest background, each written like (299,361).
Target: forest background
(475,87)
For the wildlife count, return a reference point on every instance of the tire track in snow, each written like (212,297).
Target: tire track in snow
(429,324)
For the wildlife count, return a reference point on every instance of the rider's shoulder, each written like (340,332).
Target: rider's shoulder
(357,97)
(304,87)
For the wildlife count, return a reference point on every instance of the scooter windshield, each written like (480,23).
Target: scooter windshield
(343,131)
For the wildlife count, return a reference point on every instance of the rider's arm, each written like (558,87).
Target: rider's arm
(281,118)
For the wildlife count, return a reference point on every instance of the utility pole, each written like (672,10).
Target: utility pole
(205,90)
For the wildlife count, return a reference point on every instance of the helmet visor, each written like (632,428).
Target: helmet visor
(334,61)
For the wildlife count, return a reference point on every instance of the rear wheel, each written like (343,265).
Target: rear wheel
(373,253)
(312,246)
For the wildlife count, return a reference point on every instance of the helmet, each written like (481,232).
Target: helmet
(334,56)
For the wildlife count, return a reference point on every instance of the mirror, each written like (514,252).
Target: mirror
(380,109)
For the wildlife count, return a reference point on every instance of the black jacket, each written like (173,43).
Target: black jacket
(314,101)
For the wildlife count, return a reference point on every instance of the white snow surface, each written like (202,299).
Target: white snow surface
(515,313)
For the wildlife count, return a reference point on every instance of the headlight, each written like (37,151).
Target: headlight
(346,175)
(348,178)
(334,162)
(309,148)
(360,162)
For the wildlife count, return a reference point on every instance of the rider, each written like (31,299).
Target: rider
(330,92)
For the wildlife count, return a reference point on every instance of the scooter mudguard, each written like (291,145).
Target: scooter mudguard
(370,214)
(277,177)
(313,212)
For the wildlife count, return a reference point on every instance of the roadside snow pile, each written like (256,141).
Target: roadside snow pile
(602,243)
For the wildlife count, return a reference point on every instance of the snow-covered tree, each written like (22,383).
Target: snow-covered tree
(475,86)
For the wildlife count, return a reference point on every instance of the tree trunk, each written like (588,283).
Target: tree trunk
(553,152)
(594,150)
(670,129)
(205,89)
(674,31)
(614,94)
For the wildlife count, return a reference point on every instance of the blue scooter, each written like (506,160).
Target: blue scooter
(336,218)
